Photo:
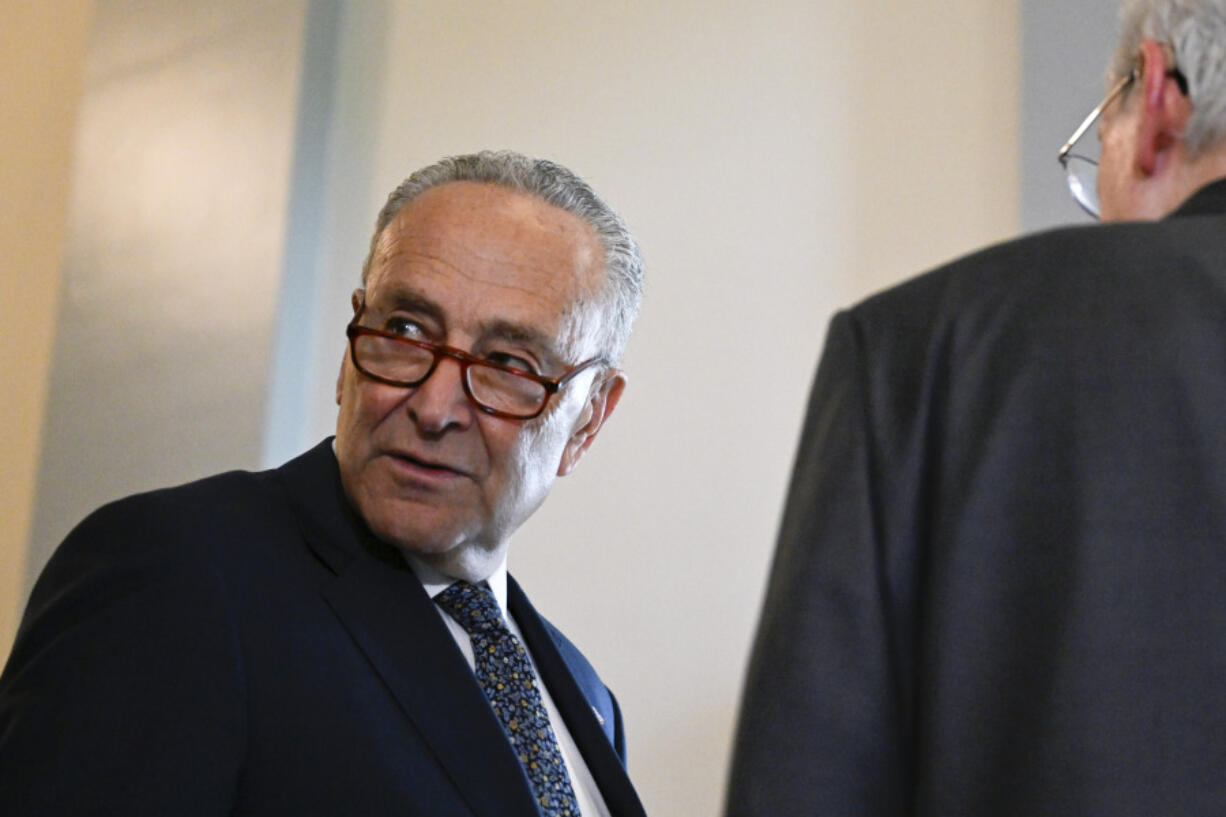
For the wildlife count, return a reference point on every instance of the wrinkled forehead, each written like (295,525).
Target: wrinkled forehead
(507,250)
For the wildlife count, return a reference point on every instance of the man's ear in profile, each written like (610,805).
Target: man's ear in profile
(603,399)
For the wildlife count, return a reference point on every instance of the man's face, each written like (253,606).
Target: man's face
(501,275)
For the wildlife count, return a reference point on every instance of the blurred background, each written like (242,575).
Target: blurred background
(189,189)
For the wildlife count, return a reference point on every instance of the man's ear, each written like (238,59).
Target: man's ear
(1164,112)
(600,404)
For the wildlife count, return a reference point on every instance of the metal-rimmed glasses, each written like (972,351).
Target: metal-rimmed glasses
(1082,171)
(503,391)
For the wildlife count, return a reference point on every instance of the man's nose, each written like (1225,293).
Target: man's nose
(439,402)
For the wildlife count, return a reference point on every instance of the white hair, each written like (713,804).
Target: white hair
(1195,30)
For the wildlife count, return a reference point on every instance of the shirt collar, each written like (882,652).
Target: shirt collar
(435,581)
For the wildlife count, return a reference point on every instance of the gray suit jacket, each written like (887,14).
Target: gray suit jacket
(1000,582)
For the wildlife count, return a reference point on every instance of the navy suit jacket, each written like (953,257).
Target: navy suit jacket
(1000,582)
(243,646)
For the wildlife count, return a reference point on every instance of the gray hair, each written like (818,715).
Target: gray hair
(1195,30)
(560,187)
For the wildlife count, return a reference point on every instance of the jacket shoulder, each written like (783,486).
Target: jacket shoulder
(178,515)
(1061,265)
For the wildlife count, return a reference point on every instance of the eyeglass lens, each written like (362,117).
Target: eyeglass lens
(1082,175)
(488,386)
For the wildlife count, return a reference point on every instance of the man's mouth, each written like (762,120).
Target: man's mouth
(420,464)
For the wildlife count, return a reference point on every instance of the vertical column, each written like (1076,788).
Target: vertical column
(176,225)
(331,212)
(41,61)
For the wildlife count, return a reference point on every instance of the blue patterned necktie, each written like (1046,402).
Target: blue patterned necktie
(506,676)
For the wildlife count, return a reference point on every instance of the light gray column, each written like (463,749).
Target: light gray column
(170,271)
(331,213)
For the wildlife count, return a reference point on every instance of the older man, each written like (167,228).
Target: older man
(340,635)
(999,582)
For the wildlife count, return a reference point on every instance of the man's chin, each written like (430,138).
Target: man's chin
(412,526)
(440,540)
(424,544)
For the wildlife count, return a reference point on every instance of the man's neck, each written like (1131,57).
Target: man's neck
(467,562)
(1156,195)
(1192,175)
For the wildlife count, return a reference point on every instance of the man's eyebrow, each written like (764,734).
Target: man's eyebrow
(517,333)
(403,297)
(521,333)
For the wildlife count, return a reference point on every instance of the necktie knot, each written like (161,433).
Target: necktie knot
(473,606)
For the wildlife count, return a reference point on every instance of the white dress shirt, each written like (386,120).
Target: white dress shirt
(591,803)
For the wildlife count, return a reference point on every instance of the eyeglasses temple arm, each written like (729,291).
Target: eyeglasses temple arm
(1094,114)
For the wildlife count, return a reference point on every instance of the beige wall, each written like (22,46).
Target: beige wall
(42,46)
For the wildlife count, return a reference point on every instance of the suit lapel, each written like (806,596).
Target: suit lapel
(388,614)
(578,712)
(390,617)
